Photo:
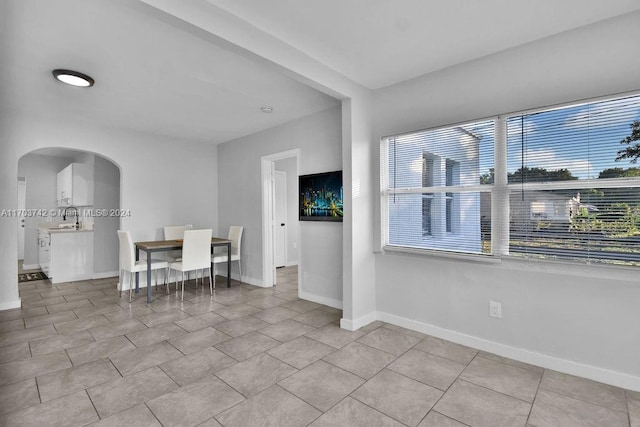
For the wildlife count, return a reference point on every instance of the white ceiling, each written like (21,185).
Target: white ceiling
(149,75)
(153,76)
(381,42)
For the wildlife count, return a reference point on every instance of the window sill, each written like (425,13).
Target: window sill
(487,259)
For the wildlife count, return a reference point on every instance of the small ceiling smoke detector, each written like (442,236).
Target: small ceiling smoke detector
(266,109)
(73,78)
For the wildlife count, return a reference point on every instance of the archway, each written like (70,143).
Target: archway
(38,171)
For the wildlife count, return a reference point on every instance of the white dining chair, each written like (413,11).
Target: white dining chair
(196,255)
(235,235)
(175,232)
(129,264)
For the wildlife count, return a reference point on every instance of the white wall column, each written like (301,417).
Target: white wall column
(358,292)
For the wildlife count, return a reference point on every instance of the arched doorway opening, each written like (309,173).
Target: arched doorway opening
(38,179)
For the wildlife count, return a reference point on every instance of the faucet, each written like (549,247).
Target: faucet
(64,215)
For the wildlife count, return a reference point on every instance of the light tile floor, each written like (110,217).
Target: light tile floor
(78,354)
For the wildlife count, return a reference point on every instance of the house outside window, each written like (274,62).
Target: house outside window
(435,175)
(432,167)
(427,198)
(452,179)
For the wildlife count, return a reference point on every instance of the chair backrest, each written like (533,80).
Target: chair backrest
(196,249)
(235,235)
(127,253)
(176,232)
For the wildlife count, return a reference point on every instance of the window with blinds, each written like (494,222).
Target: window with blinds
(574,189)
(437,192)
(564,183)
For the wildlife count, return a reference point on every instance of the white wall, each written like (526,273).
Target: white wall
(40,173)
(319,139)
(106,195)
(164,180)
(289,166)
(581,320)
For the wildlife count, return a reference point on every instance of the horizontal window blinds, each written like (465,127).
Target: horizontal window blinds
(437,188)
(574,188)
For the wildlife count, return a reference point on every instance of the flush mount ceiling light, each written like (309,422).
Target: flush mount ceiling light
(266,109)
(73,78)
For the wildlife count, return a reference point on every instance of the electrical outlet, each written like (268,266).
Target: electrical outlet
(495,309)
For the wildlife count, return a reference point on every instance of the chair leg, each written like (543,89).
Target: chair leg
(130,285)
(120,281)
(240,270)
(210,281)
(176,283)
(182,298)
(166,280)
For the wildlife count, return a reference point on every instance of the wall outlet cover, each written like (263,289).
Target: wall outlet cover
(495,309)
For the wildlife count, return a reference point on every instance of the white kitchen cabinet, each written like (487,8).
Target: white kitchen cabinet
(75,185)
(71,255)
(43,251)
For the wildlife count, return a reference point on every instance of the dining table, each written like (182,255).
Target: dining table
(154,246)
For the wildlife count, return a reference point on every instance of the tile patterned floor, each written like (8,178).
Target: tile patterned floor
(78,354)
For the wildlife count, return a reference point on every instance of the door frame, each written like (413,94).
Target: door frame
(285,251)
(268,208)
(22,188)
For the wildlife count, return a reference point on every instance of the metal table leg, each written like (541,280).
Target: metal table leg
(137,274)
(228,265)
(149,277)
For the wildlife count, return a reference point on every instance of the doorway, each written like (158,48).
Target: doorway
(270,224)
(40,170)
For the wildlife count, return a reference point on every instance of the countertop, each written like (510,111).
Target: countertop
(54,229)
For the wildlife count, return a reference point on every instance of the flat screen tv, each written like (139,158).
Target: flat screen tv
(321,197)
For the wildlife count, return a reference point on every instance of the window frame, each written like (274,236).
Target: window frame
(499,191)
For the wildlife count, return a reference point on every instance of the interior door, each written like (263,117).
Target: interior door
(280,196)
(22,191)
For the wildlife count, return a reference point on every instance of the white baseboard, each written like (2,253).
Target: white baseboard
(618,379)
(249,280)
(142,284)
(355,324)
(244,279)
(105,274)
(30,266)
(320,299)
(11,304)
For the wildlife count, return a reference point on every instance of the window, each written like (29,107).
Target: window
(573,190)
(433,193)
(560,183)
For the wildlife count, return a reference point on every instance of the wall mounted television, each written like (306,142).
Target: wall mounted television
(320,197)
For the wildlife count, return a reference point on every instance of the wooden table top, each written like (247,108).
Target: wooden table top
(174,244)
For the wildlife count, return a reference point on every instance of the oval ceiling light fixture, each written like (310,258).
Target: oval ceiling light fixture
(267,109)
(73,78)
